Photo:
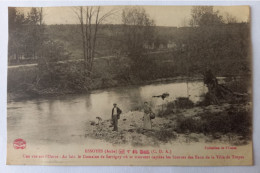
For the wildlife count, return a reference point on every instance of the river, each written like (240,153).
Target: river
(57,119)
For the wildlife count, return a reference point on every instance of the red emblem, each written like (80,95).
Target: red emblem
(19,144)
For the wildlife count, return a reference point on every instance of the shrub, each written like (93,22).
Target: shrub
(168,110)
(230,121)
(165,135)
(179,103)
(188,124)
(183,103)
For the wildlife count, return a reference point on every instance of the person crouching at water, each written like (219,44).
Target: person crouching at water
(147,118)
(115,116)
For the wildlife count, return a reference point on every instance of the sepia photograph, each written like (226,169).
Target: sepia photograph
(129,85)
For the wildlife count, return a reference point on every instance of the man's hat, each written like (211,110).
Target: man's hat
(114,104)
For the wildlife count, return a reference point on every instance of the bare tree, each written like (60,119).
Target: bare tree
(90,18)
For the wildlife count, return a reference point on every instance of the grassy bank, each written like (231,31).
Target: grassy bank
(68,77)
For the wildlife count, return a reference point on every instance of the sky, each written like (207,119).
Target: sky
(162,15)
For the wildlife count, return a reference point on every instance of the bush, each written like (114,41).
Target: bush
(231,121)
(239,85)
(183,103)
(188,124)
(179,103)
(206,101)
(168,110)
(165,135)
(18,77)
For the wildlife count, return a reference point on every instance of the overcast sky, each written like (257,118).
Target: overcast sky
(162,15)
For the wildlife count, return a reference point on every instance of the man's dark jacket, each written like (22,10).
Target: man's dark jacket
(118,112)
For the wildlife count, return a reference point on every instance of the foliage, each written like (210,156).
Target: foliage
(210,19)
(138,30)
(168,110)
(233,120)
(188,124)
(90,18)
(27,40)
(229,19)
(205,16)
(174,106)
(183,103)
(165,135)
(225,48)
(197,12)
(16,33)
(34,33)
(53,51)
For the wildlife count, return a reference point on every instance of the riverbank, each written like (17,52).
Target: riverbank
(23,94)
(31,92)
(175,127)
(57,79)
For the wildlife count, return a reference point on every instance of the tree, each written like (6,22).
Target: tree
(230,18)
(26,33)
(211,19)
(16,44)
(197,12)
(40,47)
(216,48)
(90,18)
(204,16)
(35,34)
(200,46)
(138,30)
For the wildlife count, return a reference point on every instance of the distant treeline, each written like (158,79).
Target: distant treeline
(109,40)
(226,49)
(140,53)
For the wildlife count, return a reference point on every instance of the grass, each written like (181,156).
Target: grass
(175,106)
(183,103)
(232,120)
(163,135)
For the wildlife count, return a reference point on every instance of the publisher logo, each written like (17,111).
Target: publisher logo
(19,144)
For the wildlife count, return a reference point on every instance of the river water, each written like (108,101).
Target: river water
(57,119)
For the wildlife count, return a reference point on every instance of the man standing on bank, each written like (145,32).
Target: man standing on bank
(115,116)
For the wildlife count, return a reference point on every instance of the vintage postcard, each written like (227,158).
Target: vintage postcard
(130,85)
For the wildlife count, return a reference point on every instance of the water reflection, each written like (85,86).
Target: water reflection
(57,119)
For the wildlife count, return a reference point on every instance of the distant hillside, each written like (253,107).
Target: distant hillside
(223,42)
(108,37)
